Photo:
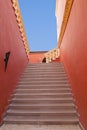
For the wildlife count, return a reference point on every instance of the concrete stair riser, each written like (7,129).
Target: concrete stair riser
(27,113)
(43,79)
(27,91)
(43,82)
(44,76)
(42,95)
(46,86)
(42,108)
(45,101)
(42,120)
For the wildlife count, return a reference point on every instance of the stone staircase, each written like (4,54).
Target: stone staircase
(42,96)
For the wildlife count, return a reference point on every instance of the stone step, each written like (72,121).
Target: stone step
(41,83)
(44,65)
(43,103)
(46,85)
(43,78)
(44,70)
(41,112)
(44,82)
(41,100)
(41,106)
(41,90)
(45,107)
(41,95)
(47,74)
(49,70)
(42,86)
(27,91)
(44,98)
(53,120)
(64,106)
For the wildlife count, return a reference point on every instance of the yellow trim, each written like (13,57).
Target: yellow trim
(65,20)
(56,7)
(21,25)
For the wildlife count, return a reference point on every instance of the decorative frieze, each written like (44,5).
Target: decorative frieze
(65,20)
(21,26)
(52,55)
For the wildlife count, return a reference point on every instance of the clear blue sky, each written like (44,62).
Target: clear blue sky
(40,23)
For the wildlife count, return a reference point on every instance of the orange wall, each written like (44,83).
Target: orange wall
(36,57)
(10,40)
(74,55)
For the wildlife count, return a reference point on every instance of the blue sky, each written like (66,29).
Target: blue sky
(40,23)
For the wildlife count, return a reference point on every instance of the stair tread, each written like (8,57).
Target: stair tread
(31,94)
(41,91)
(41,111)
(44,68)
(67,85)
(46,118)
(44,89)
(40,104)
(70,98)
(44,74)
(44,78)
(43,98)
(45,81)
(43,71)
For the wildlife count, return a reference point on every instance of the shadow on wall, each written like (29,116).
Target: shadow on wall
(44,60)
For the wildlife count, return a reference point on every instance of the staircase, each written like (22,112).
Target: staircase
(42,96)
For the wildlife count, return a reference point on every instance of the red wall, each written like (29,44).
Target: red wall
(56,60)
(74,55)
(10,40)
(36,57)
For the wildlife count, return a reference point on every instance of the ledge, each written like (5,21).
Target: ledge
(21,25)
(67,11)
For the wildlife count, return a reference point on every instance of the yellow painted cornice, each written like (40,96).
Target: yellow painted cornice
(65,20)
(56,8)
(21,25)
